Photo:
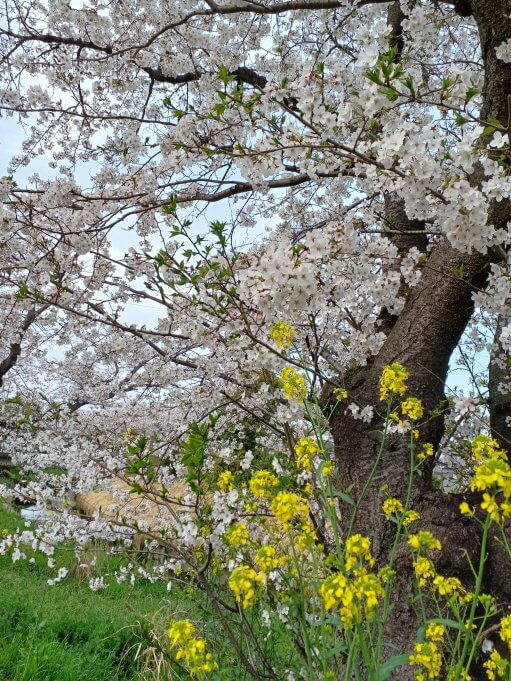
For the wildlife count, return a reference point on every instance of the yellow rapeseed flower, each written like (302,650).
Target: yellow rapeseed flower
(327,470)
(195,657)
(266,558)
(180,632)
(496,666)
(429,660)
(340,394)
(426,452)
(225,481)
(243,583)
(424,570)
(283,335)
(412,407)
(358,548)
(424,540)
(290,509)
(263,484)
(485,447)
(505,630)
(491,506)
(305,450)
(392,507)
(293,384)
(411,517)
(392,380)
(435,632)
(448,586)
(237,535)
(465,509)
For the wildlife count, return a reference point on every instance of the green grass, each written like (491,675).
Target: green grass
(67,632)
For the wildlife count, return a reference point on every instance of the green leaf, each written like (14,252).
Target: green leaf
(345,497)
(225,76)
(386,670)
(471,92)
(336,650)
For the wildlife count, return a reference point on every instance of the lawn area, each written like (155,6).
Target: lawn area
(67,632)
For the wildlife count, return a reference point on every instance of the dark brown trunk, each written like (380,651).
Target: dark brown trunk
(423,338)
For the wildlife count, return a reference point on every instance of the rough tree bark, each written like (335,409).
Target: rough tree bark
(423,338)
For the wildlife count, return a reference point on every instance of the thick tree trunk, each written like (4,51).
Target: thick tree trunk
(499,378)
(423,338)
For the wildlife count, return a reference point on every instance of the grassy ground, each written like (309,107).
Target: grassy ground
(67,632)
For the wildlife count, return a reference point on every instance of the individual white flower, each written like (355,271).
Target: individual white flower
(503,51)
(465,405)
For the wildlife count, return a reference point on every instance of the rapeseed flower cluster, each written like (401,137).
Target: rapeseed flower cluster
(225,481)
(355,593)
(266,558)
(190,650)
(243,582)
(293,384)
(354,599)
(290,510)
(412,407)
(305,451)
(263,484)
(340,394)
(237,535)
(496,666)
(426,452)
(492,477)
(358,550)
(393,380)
(424,540)
(283,335)
(393,507)
(426,655)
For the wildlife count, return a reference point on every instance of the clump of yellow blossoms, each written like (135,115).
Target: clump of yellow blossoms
(391,507)
(424,570)
(263,484)
(424,540)
(225,481)
(237,535)
(293,384)
(190,650)
(328,469)
(354,599)
(266,558)
(484,447)
(283,335)
(412,407)
(427,451)
(505,630)
(356,593)
(290,509)
(392,380)
(358,548)
(340,394)
(305,450)
(492,476)
(180,632)
(243,582)
(426,655)
(496,666)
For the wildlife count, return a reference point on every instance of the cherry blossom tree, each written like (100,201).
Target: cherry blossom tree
(338,166)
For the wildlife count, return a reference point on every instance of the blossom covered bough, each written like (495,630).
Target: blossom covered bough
(308,203)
